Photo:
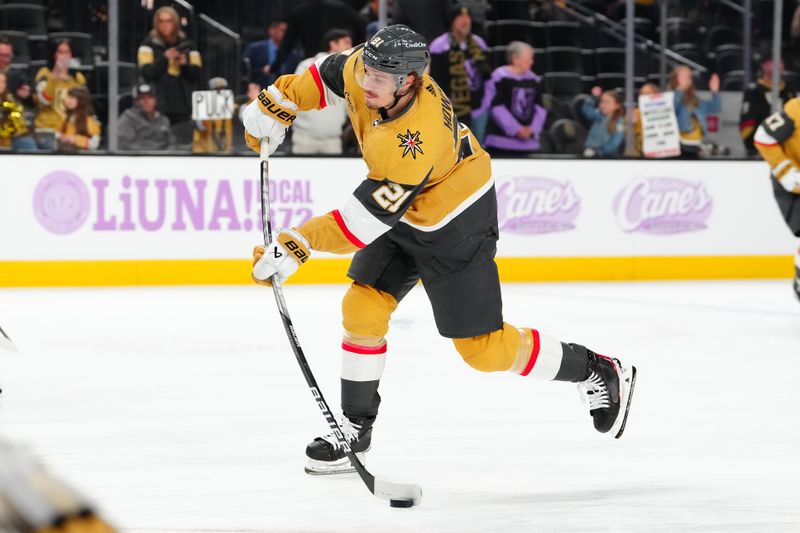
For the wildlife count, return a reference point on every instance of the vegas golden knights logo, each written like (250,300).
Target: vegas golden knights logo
(410,143)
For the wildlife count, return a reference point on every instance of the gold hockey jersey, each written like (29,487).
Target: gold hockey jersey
(778,141)
(424,167)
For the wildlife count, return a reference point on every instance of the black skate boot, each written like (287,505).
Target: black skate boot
(796,286)
(325,454)
(608,391)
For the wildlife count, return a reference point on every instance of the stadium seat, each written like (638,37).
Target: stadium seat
(577,104)
(729,57)
(502,32)
(511,9)
(563,33)
(564,59)
(34,66)
(610,60)
(589,62)
(691,52)
(642,26)
(562,84)
(23,17)
(681,31)
(127,77)
(611,80)
(557,108)
(587,82)
(792,80)
(19,41)
(568,137)
(541,63)
(81,44)
(496,56)
(732,81)
(722,35)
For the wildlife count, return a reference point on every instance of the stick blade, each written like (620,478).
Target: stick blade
(389,490)
(6,343)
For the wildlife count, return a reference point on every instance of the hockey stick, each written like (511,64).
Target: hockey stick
(6,343)
(398,494)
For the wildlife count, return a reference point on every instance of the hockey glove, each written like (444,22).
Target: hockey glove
(791,181)
(287,252)
(268,116)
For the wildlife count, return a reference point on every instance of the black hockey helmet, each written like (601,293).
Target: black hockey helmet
(398,50)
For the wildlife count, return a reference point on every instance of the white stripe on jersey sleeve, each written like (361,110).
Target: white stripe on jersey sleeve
(762,137)
(361,223)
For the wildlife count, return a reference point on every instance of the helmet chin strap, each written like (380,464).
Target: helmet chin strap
(397,96)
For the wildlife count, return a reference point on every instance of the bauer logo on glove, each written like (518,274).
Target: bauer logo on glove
(268,116)
(270,107)
(287,252)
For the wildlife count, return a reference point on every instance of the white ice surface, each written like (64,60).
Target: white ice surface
(183,409)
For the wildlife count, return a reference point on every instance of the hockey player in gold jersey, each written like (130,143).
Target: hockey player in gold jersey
(778,141)
(426,211)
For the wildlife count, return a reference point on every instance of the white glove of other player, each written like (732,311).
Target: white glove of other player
(284,256)
(268,116)
(791,181)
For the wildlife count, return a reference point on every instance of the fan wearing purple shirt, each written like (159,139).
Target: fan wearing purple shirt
(513,98)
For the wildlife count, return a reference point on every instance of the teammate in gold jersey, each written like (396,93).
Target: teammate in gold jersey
(426,211)
(778,141)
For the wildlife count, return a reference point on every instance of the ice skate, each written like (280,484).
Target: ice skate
(796,286)
(608,391)
(325,454)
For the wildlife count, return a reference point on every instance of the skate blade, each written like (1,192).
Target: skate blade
(329,468)
(626,389)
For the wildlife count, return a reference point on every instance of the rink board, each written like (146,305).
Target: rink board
(103,220)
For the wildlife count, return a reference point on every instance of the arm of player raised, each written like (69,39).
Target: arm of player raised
(373,208)
(769,138)
(319,86)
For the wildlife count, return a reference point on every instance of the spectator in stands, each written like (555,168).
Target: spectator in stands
(428,17)
(690,111)
(756,106)
(52,85)
(513,100)
(14,133)
(23,94)
(648,89)
(80,129)
(320,131)
(18,83)
(263,53)
(214,136)
(311,19)
(170,61)
(607,133)
(142,127)
(6,58)
(459,65)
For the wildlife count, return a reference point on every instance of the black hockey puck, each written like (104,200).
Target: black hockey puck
(401,503)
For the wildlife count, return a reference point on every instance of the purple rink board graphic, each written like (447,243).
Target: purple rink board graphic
(533,205)
(663,206)
(61,202)
(64,201)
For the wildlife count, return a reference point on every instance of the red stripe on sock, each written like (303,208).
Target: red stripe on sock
(318,80)
(363,350)
(347,233)
(534,353)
